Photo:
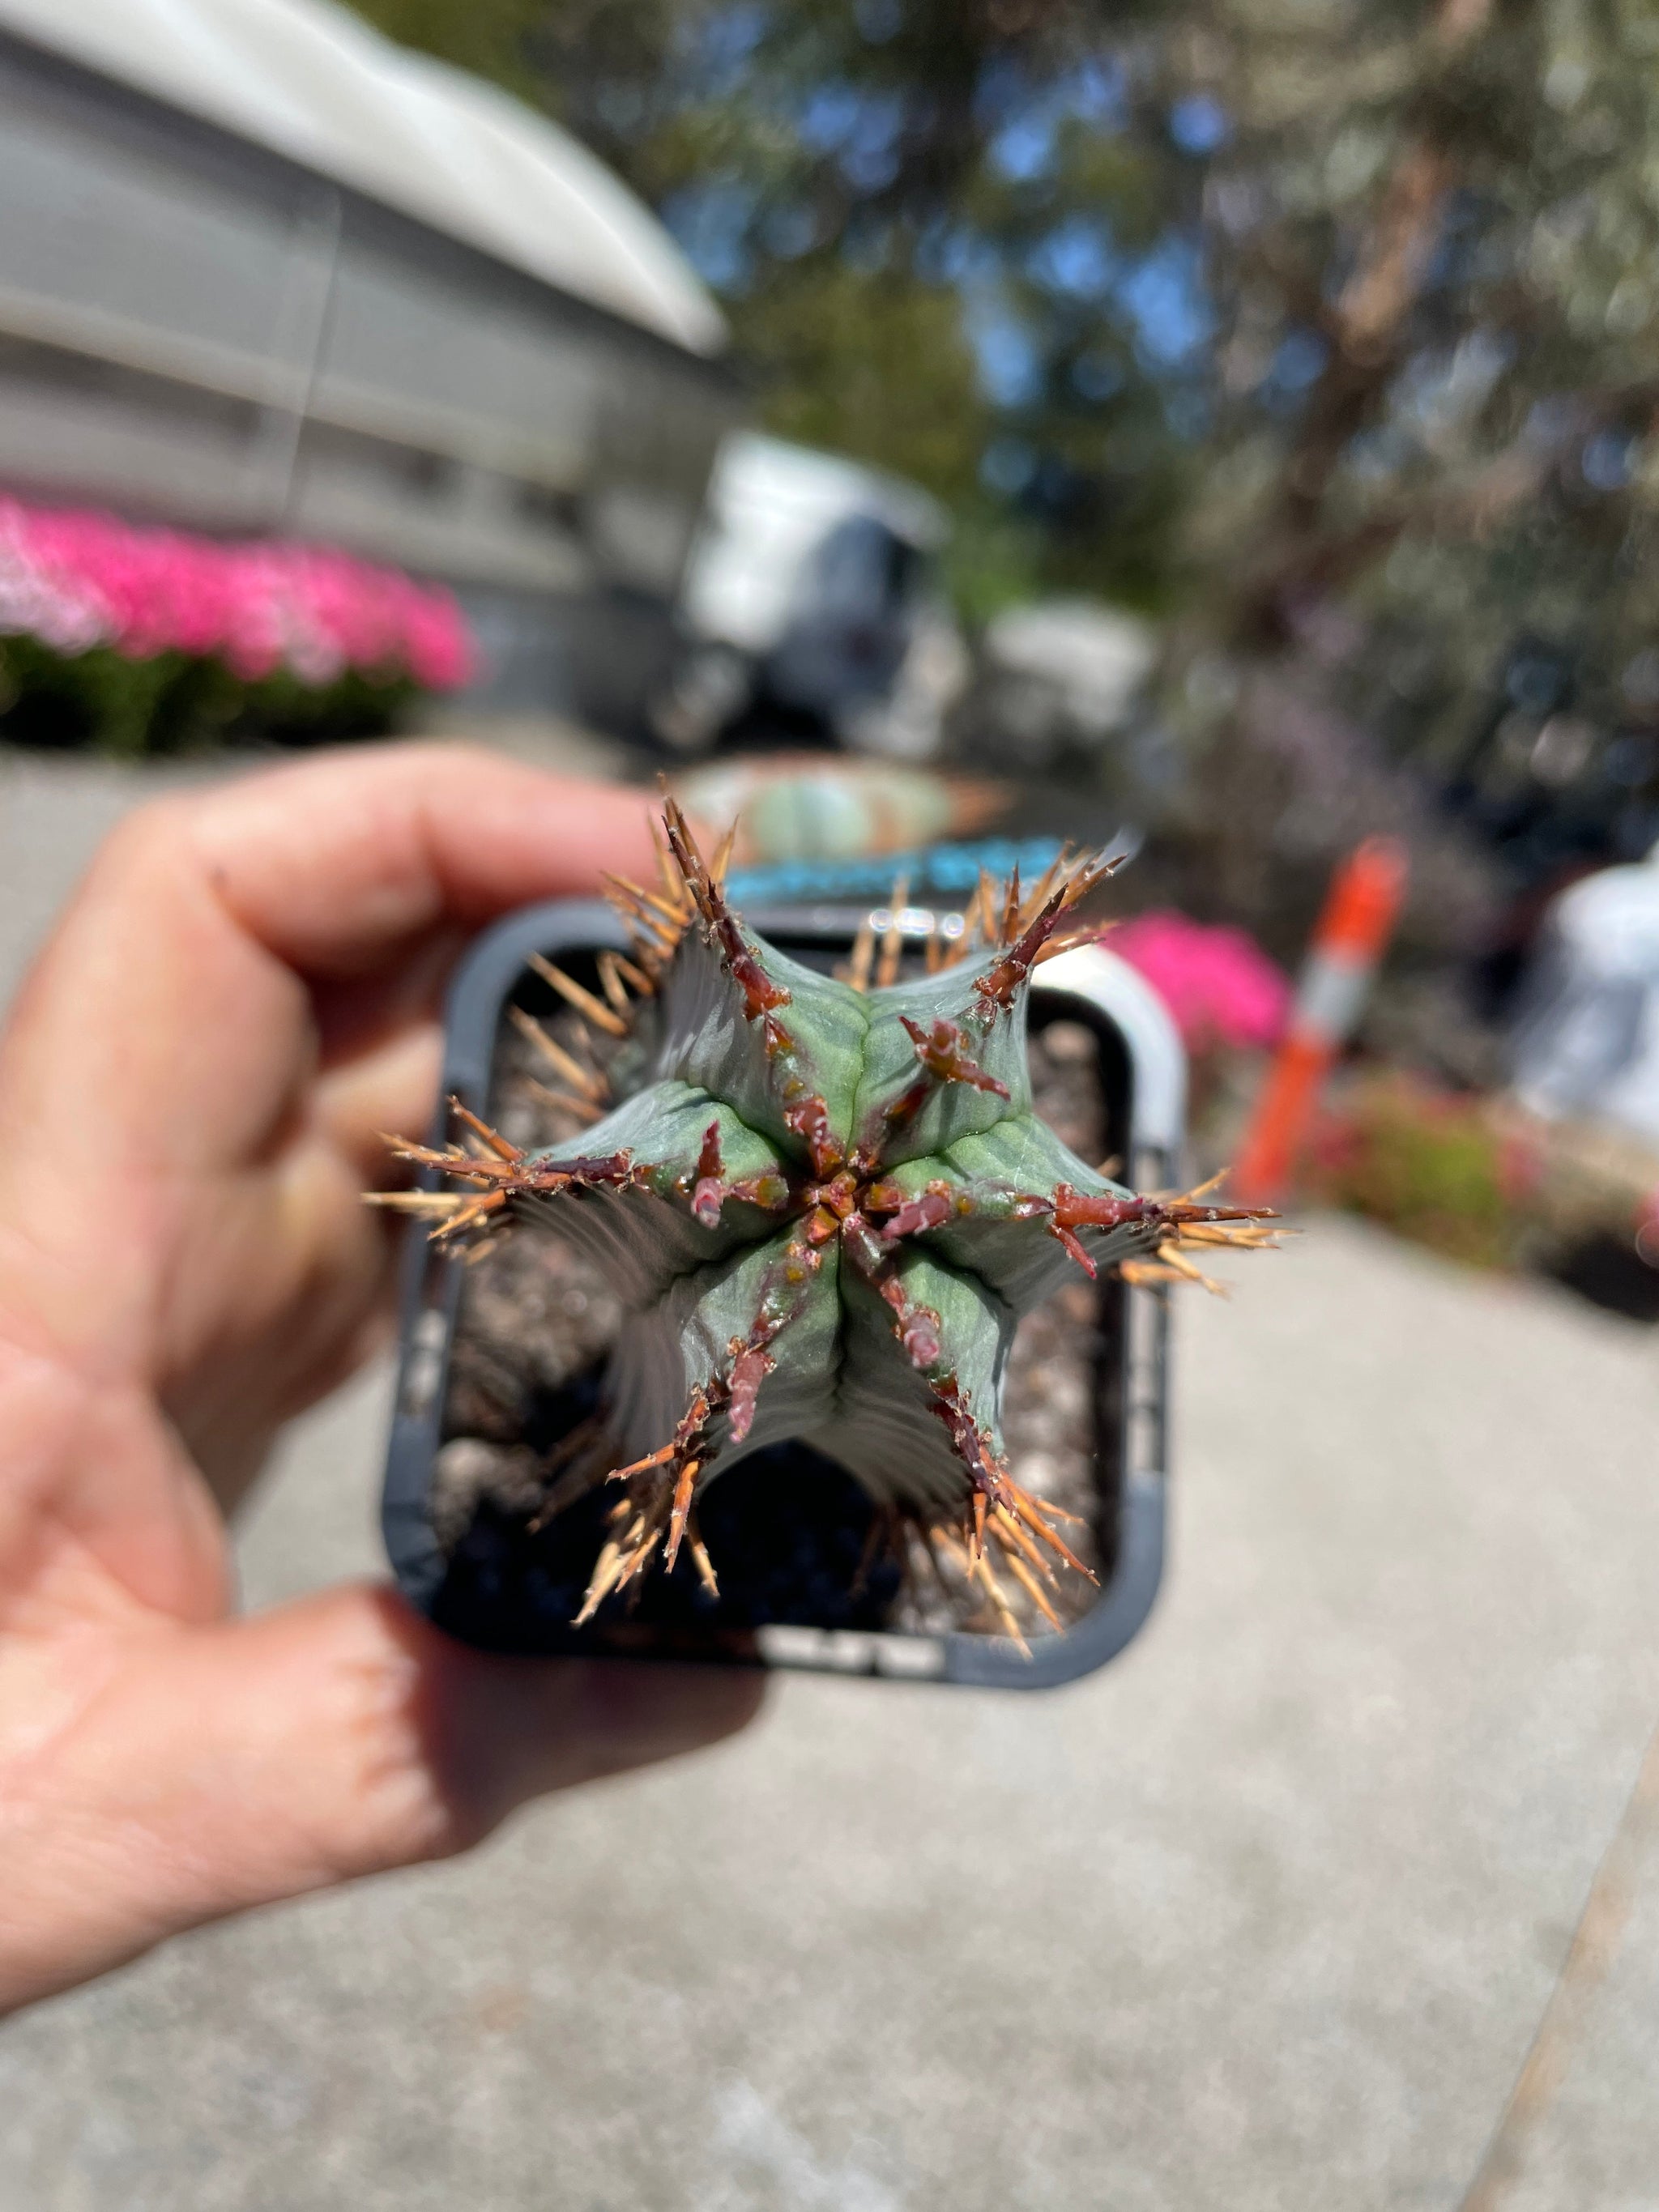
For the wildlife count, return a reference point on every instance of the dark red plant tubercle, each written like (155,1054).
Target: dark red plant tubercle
(935,1206)
(750,1365)
(809,1119)
(710,1188)
(942,1048)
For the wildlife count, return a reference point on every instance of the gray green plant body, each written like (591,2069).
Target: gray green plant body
(824,1209)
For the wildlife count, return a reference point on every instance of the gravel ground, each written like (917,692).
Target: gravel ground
(1261,1918)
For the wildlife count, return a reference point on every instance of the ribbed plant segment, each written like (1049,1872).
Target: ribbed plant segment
(825,1203)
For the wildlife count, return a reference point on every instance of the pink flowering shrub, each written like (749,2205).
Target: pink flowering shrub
(138,637)
(74,579)
(1217,982)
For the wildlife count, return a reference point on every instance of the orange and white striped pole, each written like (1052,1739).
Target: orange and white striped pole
(1349,940)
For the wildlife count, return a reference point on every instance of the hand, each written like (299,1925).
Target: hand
(241,997)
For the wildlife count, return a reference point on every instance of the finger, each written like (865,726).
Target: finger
(330,862)
(395,1088)
(167,1017)
(341,1736)
(355,1017)
(318,1296)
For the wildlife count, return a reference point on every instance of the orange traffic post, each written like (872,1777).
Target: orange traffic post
(1352,932)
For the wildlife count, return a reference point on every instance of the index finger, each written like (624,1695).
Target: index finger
(333,864)
(172,1016)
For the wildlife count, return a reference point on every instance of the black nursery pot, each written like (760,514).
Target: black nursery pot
(787,1550)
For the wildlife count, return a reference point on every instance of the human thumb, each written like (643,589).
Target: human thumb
(233,1764)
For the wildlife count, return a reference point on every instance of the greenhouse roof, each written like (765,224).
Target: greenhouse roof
(311,82)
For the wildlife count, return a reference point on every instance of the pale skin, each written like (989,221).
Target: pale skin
(241,997)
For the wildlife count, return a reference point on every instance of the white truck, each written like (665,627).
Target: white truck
(813,596)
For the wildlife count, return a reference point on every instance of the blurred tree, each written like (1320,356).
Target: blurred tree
(486,36)
(944,244)
(1327,329)
(1426,526)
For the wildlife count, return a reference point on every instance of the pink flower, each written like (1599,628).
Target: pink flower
(74,579)
(1217,984)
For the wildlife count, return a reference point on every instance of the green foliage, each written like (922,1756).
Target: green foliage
(488,37)
(1259,296)
(171,702)
(1326,333)
(916,214)
(995,560)
(1428,1164)
(836,352)
(1476,1177)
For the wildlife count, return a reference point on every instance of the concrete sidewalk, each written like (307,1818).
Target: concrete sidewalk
(1261,1918)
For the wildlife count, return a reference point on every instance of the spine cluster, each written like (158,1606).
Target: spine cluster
(825,1203)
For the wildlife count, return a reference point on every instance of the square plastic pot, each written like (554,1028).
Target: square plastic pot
(1143,1076)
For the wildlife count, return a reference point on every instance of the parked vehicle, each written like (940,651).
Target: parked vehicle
(812,593)
(1061,680)
(1586,1034)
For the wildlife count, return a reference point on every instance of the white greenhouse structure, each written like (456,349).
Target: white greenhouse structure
(262,272)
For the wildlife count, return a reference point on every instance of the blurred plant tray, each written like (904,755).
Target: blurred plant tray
(788,1569)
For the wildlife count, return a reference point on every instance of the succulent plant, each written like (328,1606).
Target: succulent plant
(825,1207)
